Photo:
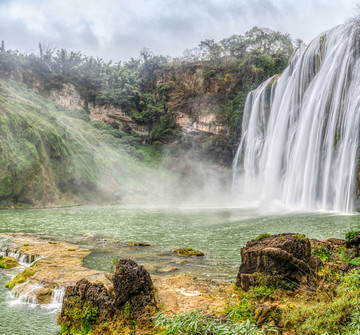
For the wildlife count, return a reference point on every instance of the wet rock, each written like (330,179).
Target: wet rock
(286,255)
(139,244)
(8,262)
(189,252)
(331,244)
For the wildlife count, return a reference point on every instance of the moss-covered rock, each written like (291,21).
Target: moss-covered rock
(139,244)
(8,262)
(21,277)
(188,252)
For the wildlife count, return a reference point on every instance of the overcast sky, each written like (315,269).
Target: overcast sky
(118,29)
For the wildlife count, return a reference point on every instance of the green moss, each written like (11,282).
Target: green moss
(351,237)
(8,262)
(261,237)
(322,253)
(188,252)
(301,237)
(80,318)
(21,278)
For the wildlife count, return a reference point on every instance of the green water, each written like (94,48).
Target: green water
(220,233)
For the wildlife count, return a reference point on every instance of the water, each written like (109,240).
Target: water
(220,233)
(301,129)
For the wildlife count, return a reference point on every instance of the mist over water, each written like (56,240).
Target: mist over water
(300,131)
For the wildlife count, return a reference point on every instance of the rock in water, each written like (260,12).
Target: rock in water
(284,255)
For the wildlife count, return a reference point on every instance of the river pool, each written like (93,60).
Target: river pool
(107,230)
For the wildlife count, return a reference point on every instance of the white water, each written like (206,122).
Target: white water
(23,259)
(300,131)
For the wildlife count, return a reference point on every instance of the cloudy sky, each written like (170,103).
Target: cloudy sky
(118,29)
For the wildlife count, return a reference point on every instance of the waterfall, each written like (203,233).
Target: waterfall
(300,130)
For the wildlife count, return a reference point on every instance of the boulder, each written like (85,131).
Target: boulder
(132,284)
(130,297)
(86,293)
(285,255)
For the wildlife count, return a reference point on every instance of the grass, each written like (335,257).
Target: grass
(49,153)
(200,322)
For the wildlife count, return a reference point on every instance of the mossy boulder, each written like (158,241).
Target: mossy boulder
(90,305)
(285,255)
(8,262)
(188,252)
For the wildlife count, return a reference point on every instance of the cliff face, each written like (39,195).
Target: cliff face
(195,98)
(69,97)
(197,94)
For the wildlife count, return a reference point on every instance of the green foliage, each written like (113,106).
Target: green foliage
(200,322)
(322,253)
(339,315)
(243,310)
(81,318)
(261,237)
(351,237)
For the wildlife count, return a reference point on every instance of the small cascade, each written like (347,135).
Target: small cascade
(23,259)
(300,131)
(57,299)
(27,296)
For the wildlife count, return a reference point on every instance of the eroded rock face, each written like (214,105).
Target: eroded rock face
(85,293)
(132,291)
(132,283)
(286,255)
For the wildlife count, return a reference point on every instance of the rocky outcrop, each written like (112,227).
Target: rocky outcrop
(132,284)
(67,97)
(196,96)
(284,255)
(116,117)
(53,265)
(130,298)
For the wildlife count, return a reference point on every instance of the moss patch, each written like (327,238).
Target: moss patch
(21,277)
(188,252)
(8,262)
(261,237)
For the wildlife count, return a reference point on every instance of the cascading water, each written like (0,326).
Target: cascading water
(300,131)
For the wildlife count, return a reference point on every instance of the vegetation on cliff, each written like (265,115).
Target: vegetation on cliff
(53,156)
(50,155)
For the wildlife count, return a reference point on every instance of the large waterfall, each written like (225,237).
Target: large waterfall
(300,131)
